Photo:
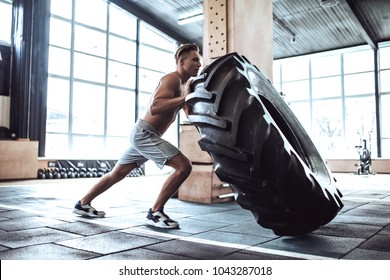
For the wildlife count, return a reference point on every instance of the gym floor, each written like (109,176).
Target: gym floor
(37,223)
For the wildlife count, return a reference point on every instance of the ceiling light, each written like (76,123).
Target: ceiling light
(328,3)
(190,19)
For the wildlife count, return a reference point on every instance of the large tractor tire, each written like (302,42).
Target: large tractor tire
(260,148)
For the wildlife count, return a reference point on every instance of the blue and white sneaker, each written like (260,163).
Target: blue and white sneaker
(160,219)
(87,211)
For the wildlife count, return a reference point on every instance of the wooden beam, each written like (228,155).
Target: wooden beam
(360,24)
(217,28)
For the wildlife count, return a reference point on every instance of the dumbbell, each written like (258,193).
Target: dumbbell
(49,174)
(83,172)
(41,173)
(56,173)
(71,173)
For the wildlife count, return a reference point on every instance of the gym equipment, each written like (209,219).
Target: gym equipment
(260,148)
(81,169)
(364,164)
(56,173)
(83,172)
(5,133)
(41,173)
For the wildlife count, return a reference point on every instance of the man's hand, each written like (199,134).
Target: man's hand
(187,87)
(186,91)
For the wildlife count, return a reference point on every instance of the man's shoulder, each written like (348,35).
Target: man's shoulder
(173,74)
(172,77)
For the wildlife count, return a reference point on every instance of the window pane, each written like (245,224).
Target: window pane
(61,8)
(385,147)
(327,128)
(120,74)
(61,35)
(149,35)
(384,56)
(89,68)
(56,145)
(302,111)
(120,112)
(325,66)
(156,59)
(88,109)
(360,120)
(359,83)
(87,147)
(59,61)
(359,61)
(278,87)
(115,146)
(96,108)
(385,81)
(148,80)
(356,91)
(385,103)
(90,41)
(57,105)
(5,22)
(122,23)
(92,13)
(326,87)
(295,70)
(122,50)
(276,72)
(299,90)
(143,102)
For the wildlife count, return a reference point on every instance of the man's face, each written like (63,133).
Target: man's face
(192,63)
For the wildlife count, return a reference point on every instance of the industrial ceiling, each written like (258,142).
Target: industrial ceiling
(299,27)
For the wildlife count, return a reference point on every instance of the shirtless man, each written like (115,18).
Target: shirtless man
(167,100)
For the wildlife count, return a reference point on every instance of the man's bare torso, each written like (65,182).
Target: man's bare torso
(162,121)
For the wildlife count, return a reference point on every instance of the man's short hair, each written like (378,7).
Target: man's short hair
(185,49)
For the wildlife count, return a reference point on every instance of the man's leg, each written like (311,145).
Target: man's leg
(107,181)
(83,206)
(182,169)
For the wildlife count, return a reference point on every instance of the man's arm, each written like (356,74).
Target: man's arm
(187,90)
(164,100)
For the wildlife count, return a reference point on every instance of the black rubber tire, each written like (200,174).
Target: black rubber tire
(260,148)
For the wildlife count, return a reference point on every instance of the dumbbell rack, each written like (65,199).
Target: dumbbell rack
(67,169)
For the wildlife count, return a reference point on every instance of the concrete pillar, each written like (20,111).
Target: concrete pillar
(242,26)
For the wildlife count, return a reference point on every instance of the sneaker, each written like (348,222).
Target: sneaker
(87,210)
(160,219)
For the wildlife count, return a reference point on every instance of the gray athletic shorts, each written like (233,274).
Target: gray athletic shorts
(146,143)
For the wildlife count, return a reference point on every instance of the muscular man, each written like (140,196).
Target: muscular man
(167,100)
